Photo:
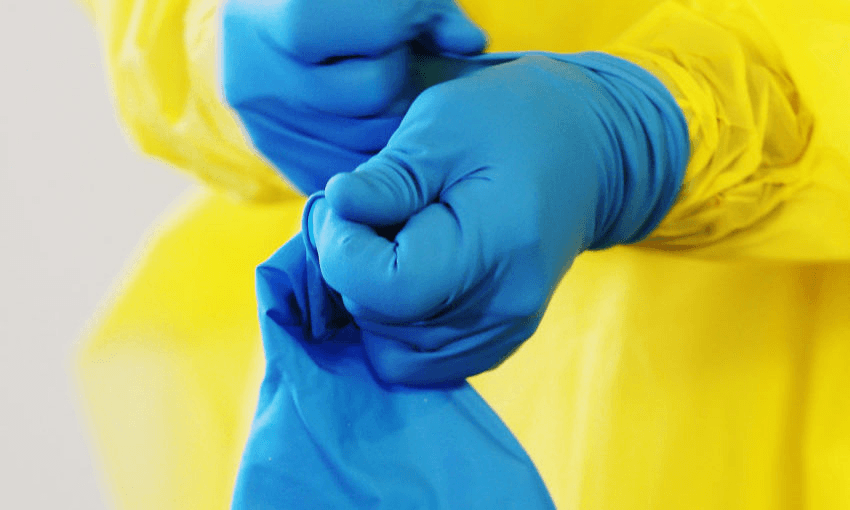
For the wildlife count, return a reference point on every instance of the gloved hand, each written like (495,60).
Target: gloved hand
(320,85)
(447,245)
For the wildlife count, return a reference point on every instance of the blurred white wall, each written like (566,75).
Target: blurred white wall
(75,201)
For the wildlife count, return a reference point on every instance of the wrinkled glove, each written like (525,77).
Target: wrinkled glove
(320,85)
(329,435)
(447,245)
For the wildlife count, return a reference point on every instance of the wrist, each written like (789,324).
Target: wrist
(650,144)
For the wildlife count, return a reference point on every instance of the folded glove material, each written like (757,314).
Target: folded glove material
(329,434)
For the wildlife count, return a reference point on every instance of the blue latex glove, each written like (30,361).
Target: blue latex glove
(320,85)
(500,179)
(329,435)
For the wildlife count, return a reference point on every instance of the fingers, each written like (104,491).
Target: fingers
(335,56)
(406,278)
(305,160)
(453,32)
(352,87)
(416,166)
(316,31)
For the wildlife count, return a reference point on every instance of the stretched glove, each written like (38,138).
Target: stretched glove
(329,435)
(321,85)
(447,245)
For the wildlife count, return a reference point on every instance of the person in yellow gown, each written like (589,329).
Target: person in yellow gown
(706,367)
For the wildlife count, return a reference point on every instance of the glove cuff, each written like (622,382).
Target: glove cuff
(644,116)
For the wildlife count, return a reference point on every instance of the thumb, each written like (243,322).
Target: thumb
(410,173)
(384,191)
(408,278)
(453,32)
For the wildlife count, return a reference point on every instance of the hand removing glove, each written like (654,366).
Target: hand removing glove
(447,245)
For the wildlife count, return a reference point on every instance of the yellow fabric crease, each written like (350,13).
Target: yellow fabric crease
(162,62)
(755,144)
(705,368)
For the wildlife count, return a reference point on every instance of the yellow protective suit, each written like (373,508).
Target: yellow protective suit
(707,368)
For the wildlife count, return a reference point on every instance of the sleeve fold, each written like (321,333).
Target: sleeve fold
(161,57)
(762,180)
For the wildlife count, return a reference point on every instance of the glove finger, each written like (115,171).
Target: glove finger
(406,176)
(405,279)
(314,32)
(426,154)
(305,160)
(367,135)
(351,87)
(453,32)
(317,31)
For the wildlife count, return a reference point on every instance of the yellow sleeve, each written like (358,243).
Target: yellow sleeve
(763,88)
(161,58)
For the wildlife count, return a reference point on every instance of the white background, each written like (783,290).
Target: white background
(75,202)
